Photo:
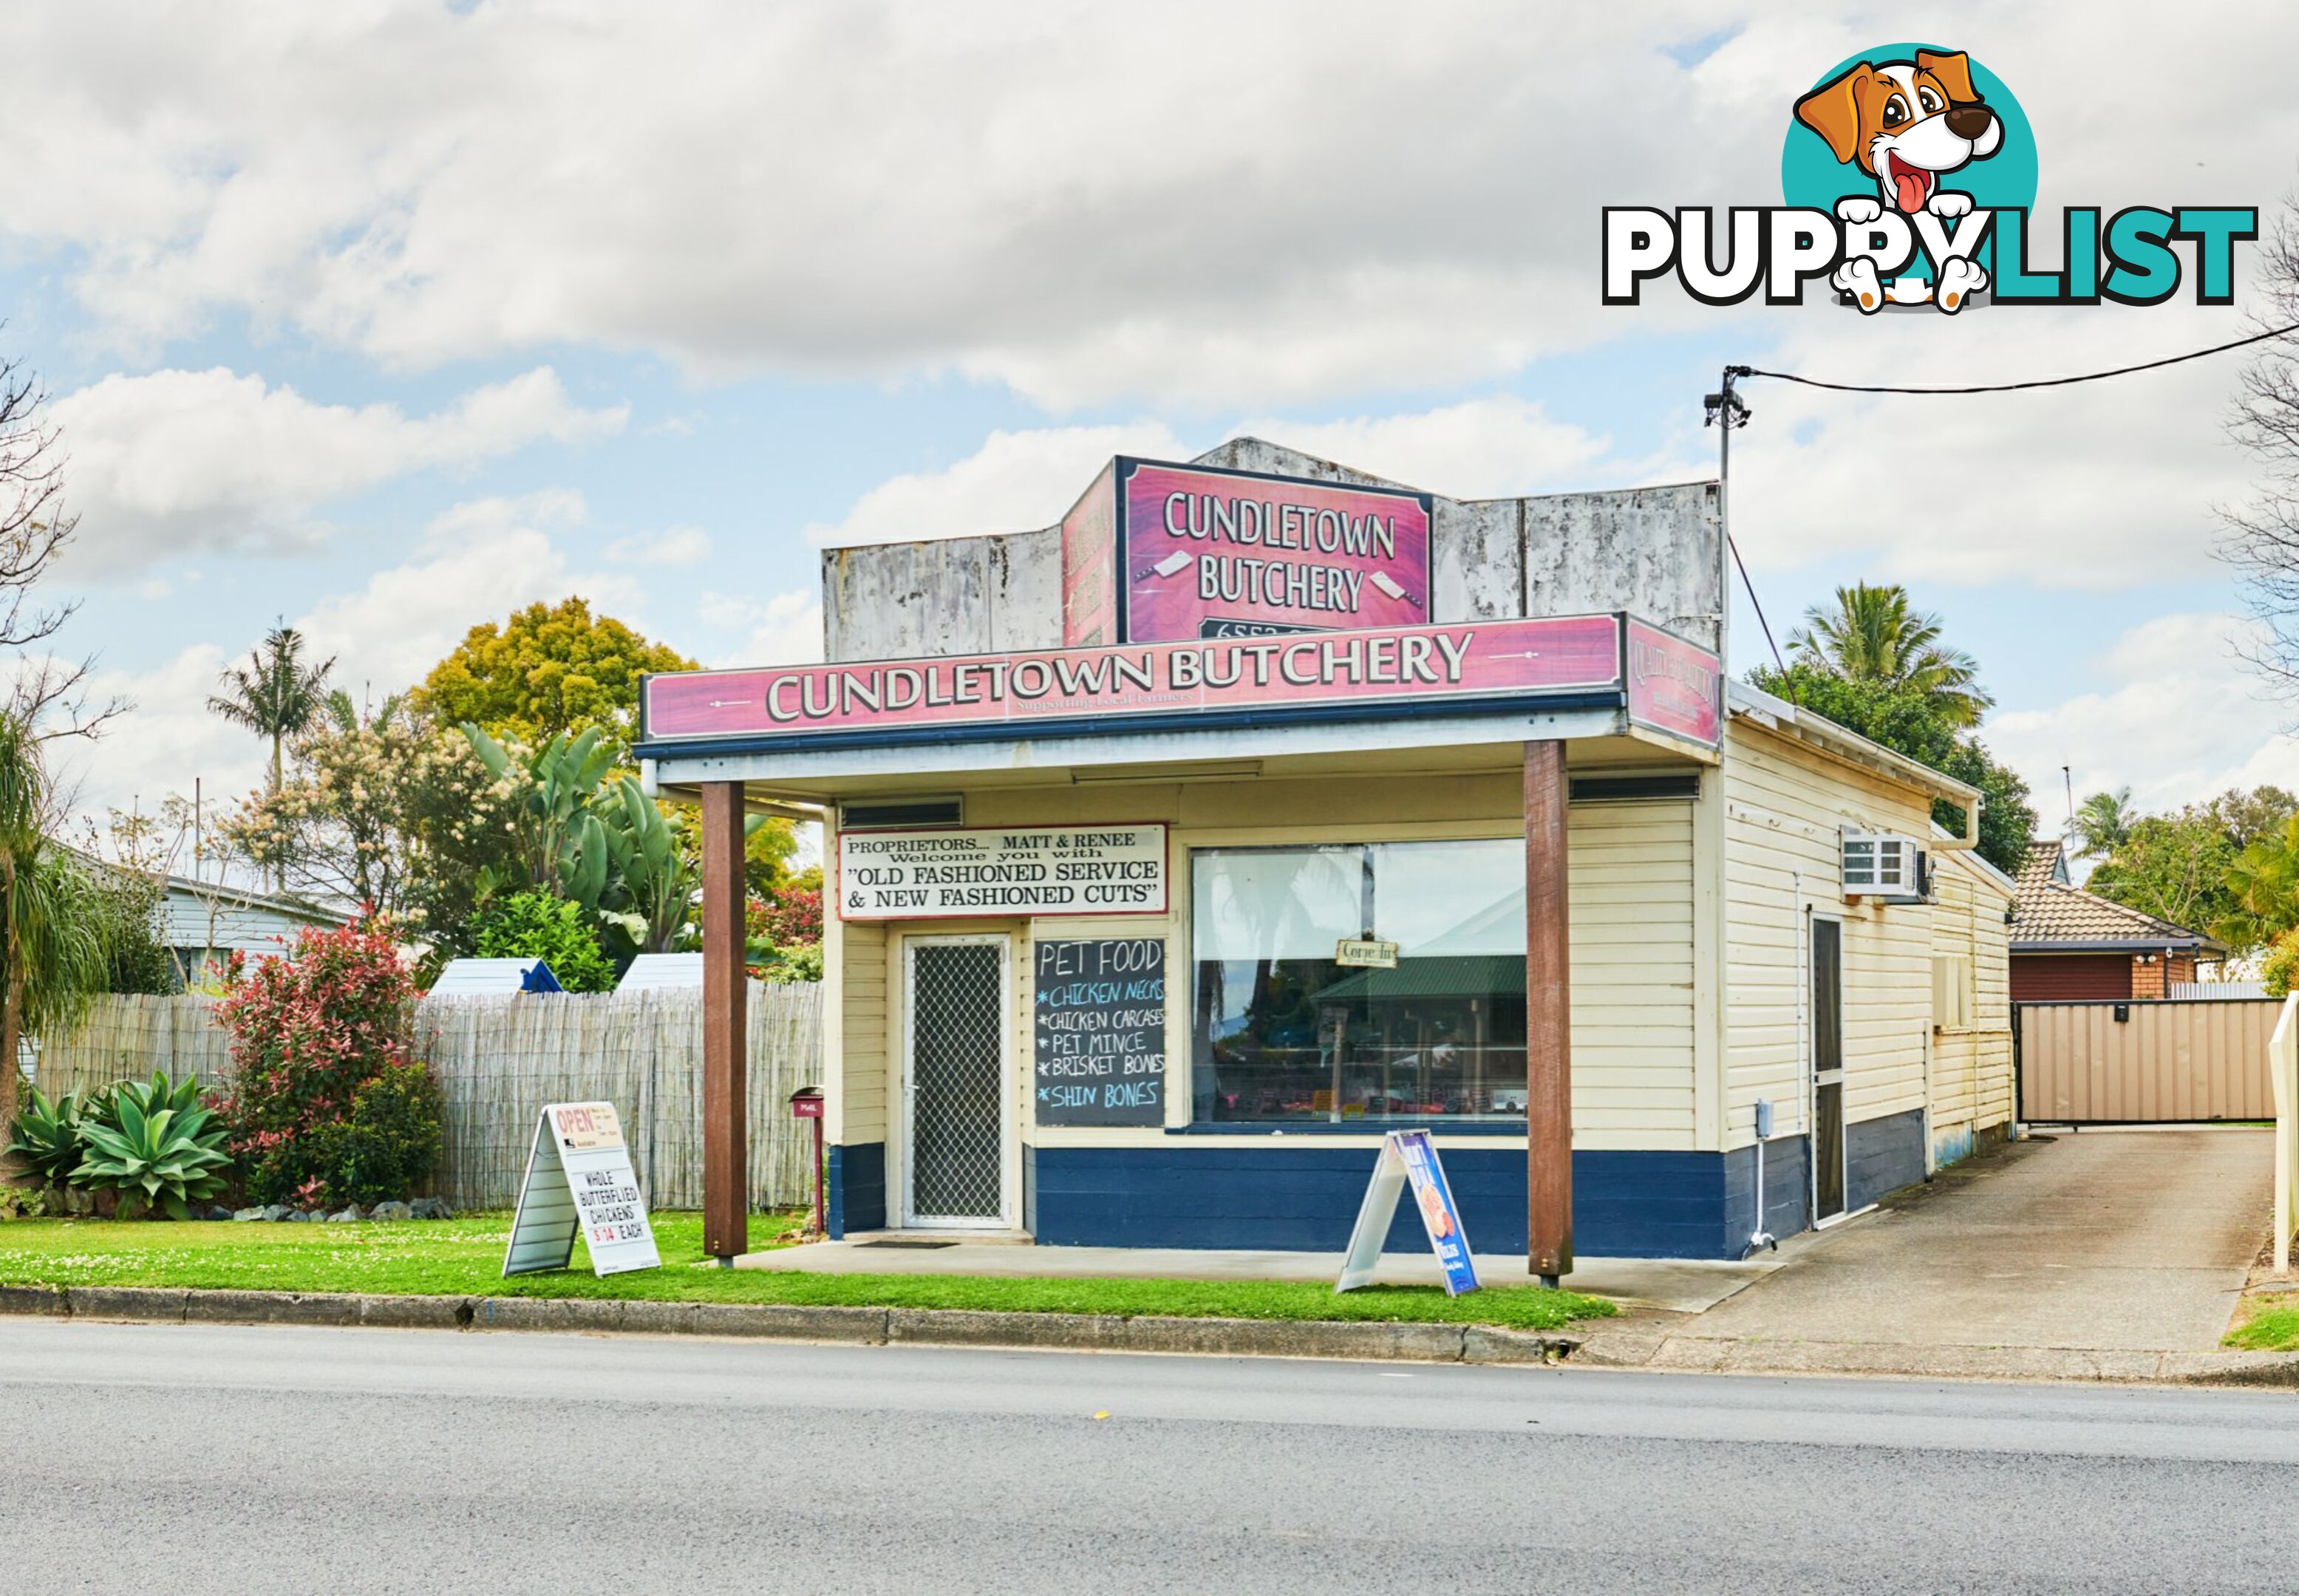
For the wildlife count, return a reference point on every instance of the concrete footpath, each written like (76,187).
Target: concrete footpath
(2103,1254)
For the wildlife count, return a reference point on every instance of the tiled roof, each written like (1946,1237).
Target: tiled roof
(2042,864)
(2052,911)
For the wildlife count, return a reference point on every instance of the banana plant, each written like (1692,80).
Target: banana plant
(168,1159)
(559,782)
(652,878)
(47,1136)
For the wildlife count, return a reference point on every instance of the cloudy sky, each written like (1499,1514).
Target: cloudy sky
(388,318)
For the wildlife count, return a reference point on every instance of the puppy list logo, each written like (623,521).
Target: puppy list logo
(1910,175)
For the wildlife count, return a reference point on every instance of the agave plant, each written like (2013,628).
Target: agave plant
(150,1097)
(170,1158)
(47,1136)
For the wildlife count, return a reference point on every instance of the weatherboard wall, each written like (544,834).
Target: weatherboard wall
(1786,807)
(1969,1094)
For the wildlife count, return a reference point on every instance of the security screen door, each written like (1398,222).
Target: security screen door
(1827,1068)
(954,1083)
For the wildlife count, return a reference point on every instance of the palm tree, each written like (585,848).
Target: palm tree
(1874,635)
(51,945)
(2103,821)
(274,694)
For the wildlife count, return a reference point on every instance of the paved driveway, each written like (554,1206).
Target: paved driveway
(2106,1241)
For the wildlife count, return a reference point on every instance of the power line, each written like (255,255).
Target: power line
(1724,407)
(2041,381)
(1757,602)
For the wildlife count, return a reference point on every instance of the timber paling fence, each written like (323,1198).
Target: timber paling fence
(499,1060)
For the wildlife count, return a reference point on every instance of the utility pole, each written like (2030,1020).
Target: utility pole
(1723,411)
(2069,778)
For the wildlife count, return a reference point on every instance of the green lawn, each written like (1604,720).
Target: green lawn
(2273,1326)
(463,1257)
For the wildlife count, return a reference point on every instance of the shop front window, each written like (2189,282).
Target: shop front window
(1284,1031)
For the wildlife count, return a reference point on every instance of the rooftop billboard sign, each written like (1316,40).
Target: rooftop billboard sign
(1155,552)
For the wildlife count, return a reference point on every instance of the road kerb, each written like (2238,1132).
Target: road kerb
(1367,1340)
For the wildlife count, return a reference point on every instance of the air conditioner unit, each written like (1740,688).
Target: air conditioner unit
(1880,865)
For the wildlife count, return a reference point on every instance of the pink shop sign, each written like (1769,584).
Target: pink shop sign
(1184,684)
(1210,553)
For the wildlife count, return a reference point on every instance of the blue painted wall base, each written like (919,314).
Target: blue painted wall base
(1882,1156)
(856,1188)
(1631,1204)
(1194,1192)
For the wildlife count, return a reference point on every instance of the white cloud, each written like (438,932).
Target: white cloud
(2176,719)
(477,562)
(1480,448)
(1017,481)
(2102,486)
(1230,205)
(1489,448)
(785,629)
(178,461)
(1245,204)
(671,546)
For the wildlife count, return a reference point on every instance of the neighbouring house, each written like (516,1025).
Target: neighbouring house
(493,977)
(2074,946)
(1179,851)
(203,924)
(662,972)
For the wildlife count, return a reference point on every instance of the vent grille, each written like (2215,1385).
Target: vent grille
(1632,790)
(899,813)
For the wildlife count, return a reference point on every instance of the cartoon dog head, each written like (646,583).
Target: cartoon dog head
(1904,123)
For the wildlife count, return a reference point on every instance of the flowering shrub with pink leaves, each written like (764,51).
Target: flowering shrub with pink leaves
(310,1032)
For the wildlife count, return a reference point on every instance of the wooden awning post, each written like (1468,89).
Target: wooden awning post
(726,1068)
(1547,1017)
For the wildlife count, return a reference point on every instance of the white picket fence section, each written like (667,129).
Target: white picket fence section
(499,1059)
(2224,991)
(2283,1071)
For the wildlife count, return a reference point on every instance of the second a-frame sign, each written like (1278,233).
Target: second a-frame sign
(580,1180)
(1409,1158)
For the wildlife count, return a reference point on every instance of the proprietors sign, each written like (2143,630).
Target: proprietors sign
(941,875)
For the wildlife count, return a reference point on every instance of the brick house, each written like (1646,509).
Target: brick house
(2069,944)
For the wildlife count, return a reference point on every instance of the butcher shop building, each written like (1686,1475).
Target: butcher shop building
(1258,807)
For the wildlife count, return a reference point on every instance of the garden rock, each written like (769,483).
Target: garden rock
(299,1218)
(392,1211)
(431,1208)
(77,1202)
(221,1213)
(276,1211)
(252,1214)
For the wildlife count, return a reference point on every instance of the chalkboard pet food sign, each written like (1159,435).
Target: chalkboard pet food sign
(1101,1009)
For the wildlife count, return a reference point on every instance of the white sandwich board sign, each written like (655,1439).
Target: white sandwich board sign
(579,1179)
(1409,1158)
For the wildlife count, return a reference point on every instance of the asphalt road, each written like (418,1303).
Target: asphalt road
(196,1459)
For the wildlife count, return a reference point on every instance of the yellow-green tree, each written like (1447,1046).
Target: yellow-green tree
(550,669)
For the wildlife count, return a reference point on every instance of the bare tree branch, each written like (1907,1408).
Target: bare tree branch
(2260,538)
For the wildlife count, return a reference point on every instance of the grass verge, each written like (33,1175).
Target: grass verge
(2270,1325)
(463,1257)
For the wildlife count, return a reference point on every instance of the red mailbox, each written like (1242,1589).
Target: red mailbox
(805,1104)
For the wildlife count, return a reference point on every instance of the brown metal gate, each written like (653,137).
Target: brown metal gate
(2145,1063)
